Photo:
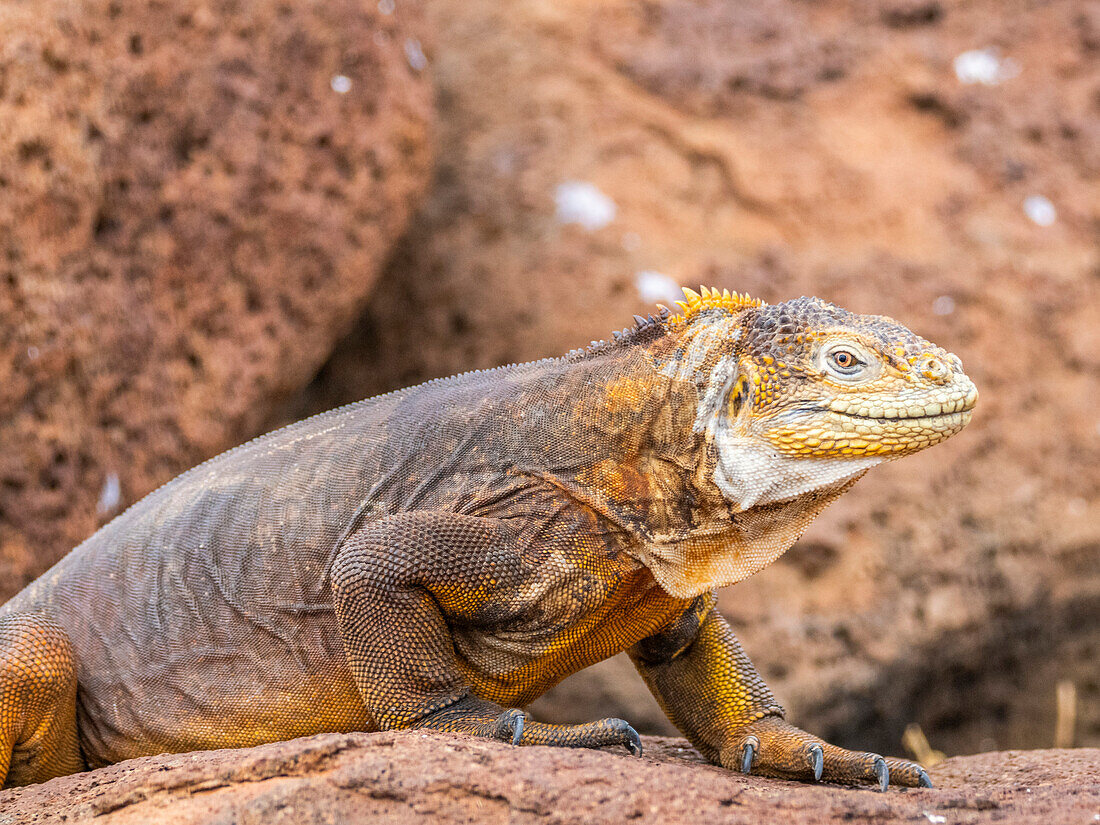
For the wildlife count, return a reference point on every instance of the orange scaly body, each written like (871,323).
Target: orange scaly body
(437,556)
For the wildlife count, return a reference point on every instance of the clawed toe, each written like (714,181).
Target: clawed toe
(517,730)
(817,761)
(509,725)
(908,774)
(615,732)
(633,741)
(882,773)
(748,752)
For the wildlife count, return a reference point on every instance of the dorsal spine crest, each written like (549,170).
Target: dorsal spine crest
(696,302)
(708,298)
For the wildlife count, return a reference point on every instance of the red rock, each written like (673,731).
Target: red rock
(190,215)
(414,776)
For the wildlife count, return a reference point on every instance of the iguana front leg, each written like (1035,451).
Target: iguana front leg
(398,586)
(706,684)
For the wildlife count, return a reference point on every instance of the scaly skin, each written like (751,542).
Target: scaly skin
(440,556)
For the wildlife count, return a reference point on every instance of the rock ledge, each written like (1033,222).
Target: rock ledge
(412,775)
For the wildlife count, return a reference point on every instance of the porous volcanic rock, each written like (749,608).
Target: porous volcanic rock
(439,778)
(195,200)
(893,156)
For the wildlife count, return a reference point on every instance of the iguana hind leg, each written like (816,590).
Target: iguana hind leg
(38,738)
(398,586)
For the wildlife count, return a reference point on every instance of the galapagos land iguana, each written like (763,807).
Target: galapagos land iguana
(440,556)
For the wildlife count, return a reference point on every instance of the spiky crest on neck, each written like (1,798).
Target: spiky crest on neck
(645,329)
(708,298)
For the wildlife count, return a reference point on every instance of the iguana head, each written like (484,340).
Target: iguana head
(819,381)
(715,436)
(803,395)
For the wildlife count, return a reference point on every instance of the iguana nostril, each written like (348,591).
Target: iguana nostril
(935,370)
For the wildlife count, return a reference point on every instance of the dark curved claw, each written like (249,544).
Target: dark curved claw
(747,754)
(925,782)
(634,741)
(509,726)
(817,761)
(882,772)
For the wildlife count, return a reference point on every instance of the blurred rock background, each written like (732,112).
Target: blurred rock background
(206,232)
(195,201)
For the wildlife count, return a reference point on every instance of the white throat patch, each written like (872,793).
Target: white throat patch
(751,473)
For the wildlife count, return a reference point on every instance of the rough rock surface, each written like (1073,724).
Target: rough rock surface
(390,777)
(193,207)
(829,148)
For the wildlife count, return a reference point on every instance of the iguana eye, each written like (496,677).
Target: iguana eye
(847,361)
(844,359)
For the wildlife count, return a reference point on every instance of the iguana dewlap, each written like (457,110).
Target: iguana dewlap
(440,556)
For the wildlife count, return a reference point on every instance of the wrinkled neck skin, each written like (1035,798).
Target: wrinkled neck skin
(707,501)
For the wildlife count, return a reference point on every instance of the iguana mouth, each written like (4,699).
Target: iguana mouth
(910,426)
(933,410)
(914,418)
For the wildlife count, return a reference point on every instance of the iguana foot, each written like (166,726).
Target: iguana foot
(597,734)
(481,718)
(772,747)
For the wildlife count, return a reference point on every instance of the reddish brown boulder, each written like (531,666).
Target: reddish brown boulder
(413,776)
(936,162)
(195,200)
